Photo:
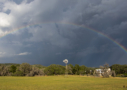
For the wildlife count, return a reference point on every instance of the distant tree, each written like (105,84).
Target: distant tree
(124,69)
(62,69)
(13,68)
(18,73)
(89,70)
(113,74)
(70,69)
(25,68)
(39,66)
(116,68)
(82,69)
(36,71)
(76,69)
(4,70)
(119,69)
(54,70)
(71,66)
(41,72)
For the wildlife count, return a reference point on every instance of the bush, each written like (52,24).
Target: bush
(125,75)
(120,75)
(18,73)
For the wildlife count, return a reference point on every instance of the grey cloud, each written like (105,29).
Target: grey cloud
(20,1)
(51,42)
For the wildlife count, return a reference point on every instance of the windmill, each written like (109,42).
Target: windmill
(66,61)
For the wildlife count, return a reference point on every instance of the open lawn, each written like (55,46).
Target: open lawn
(62,83)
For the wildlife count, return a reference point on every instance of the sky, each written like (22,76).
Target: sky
(86,32)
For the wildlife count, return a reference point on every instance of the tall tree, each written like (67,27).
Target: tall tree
(13,68)
(76,69)
(25,68)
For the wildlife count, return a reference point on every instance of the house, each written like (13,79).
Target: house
(100,72)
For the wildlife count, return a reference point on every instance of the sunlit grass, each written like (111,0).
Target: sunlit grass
(62,83)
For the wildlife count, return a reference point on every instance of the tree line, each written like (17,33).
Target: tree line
(26,69)
(119,69)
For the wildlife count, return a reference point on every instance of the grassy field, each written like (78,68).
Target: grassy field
(62,83)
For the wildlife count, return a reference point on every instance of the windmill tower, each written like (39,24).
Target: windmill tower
(66,61)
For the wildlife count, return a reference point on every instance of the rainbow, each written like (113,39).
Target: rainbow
(66,23)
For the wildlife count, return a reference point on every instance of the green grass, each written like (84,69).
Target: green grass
(62,83)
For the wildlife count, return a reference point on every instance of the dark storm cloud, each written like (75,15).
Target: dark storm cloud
(51,41)
(57,28)
(20,1)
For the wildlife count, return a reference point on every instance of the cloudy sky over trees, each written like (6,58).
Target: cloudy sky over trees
(86,32)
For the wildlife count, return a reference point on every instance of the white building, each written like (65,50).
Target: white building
(99,72)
